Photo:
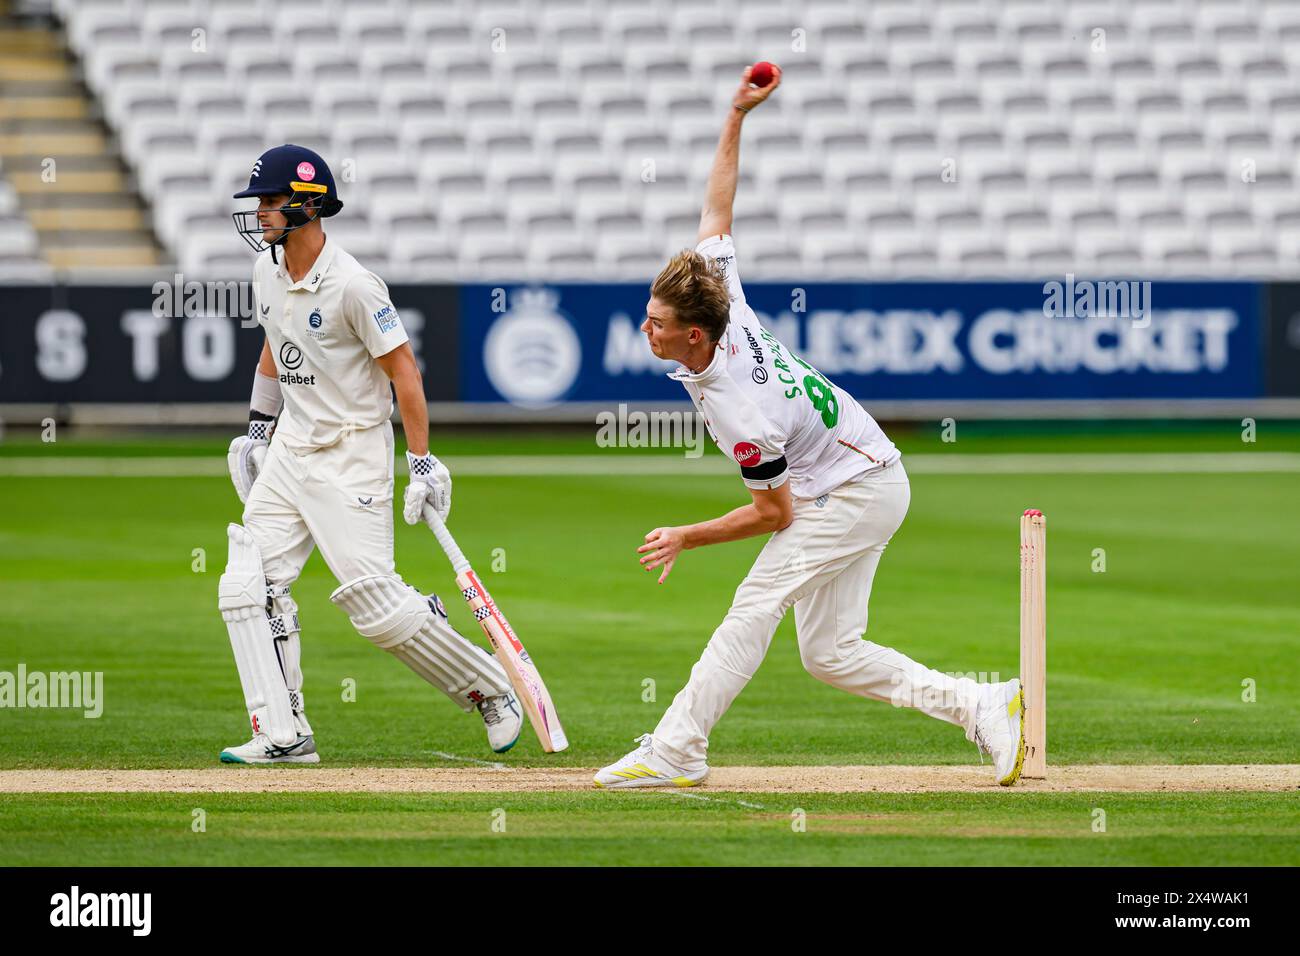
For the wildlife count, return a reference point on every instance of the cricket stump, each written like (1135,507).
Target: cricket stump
(1033,640)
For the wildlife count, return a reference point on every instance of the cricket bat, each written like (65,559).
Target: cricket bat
(519,667)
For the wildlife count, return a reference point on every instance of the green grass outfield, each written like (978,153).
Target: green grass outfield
(1147,661)
(649,829)
(963,438)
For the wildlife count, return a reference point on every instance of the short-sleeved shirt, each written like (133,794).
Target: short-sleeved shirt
(774,414)
(325,333)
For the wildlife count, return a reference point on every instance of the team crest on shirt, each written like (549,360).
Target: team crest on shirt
(314,322)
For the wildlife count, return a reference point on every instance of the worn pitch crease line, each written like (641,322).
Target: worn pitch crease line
(482,763)
(700,796)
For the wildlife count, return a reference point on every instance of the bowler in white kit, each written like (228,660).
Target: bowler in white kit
(826,484)
(316,470)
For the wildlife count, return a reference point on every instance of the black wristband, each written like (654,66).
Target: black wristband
(765,471)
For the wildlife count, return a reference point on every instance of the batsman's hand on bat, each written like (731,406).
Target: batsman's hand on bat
(747,97)
(661,548)
(430,484)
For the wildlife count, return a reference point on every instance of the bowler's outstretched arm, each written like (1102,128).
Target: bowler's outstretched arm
(719,197)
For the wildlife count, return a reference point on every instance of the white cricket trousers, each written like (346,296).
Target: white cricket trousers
(823,565)
(339,498)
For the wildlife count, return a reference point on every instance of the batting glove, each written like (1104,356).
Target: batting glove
(430,483)
(247,456)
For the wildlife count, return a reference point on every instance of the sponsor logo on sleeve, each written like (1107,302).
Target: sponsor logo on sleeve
(386,319)
(746,453)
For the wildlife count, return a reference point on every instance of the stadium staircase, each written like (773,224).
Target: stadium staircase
(83,209)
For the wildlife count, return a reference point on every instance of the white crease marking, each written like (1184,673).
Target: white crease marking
(700,796)
(474,760)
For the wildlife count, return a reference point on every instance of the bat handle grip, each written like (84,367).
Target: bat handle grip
(459,563)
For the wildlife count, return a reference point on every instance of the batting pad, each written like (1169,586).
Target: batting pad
(242,600)
(392,615)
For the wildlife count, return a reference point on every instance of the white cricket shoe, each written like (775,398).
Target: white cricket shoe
(1000,729)
(261,750)
(644,768)
(502,717)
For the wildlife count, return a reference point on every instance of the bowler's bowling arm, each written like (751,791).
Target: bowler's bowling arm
(720,194)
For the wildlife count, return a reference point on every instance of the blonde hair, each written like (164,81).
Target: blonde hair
(696,289)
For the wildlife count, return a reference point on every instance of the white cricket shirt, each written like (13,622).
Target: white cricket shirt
(773,413)
(325,333)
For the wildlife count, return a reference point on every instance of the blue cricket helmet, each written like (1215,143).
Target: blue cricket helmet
(293,171)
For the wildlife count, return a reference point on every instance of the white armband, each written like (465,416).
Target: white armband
(266,398)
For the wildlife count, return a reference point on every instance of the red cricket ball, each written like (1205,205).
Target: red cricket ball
(762,74)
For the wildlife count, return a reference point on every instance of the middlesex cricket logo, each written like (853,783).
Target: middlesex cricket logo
(314,323)
(746,453)
(531,354)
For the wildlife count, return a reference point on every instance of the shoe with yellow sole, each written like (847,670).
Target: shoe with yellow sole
(644,768)
(1000,729)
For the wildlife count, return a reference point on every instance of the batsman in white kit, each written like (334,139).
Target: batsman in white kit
(316,469)
(827,485)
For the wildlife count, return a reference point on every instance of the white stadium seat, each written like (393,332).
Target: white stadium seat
(573,124)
